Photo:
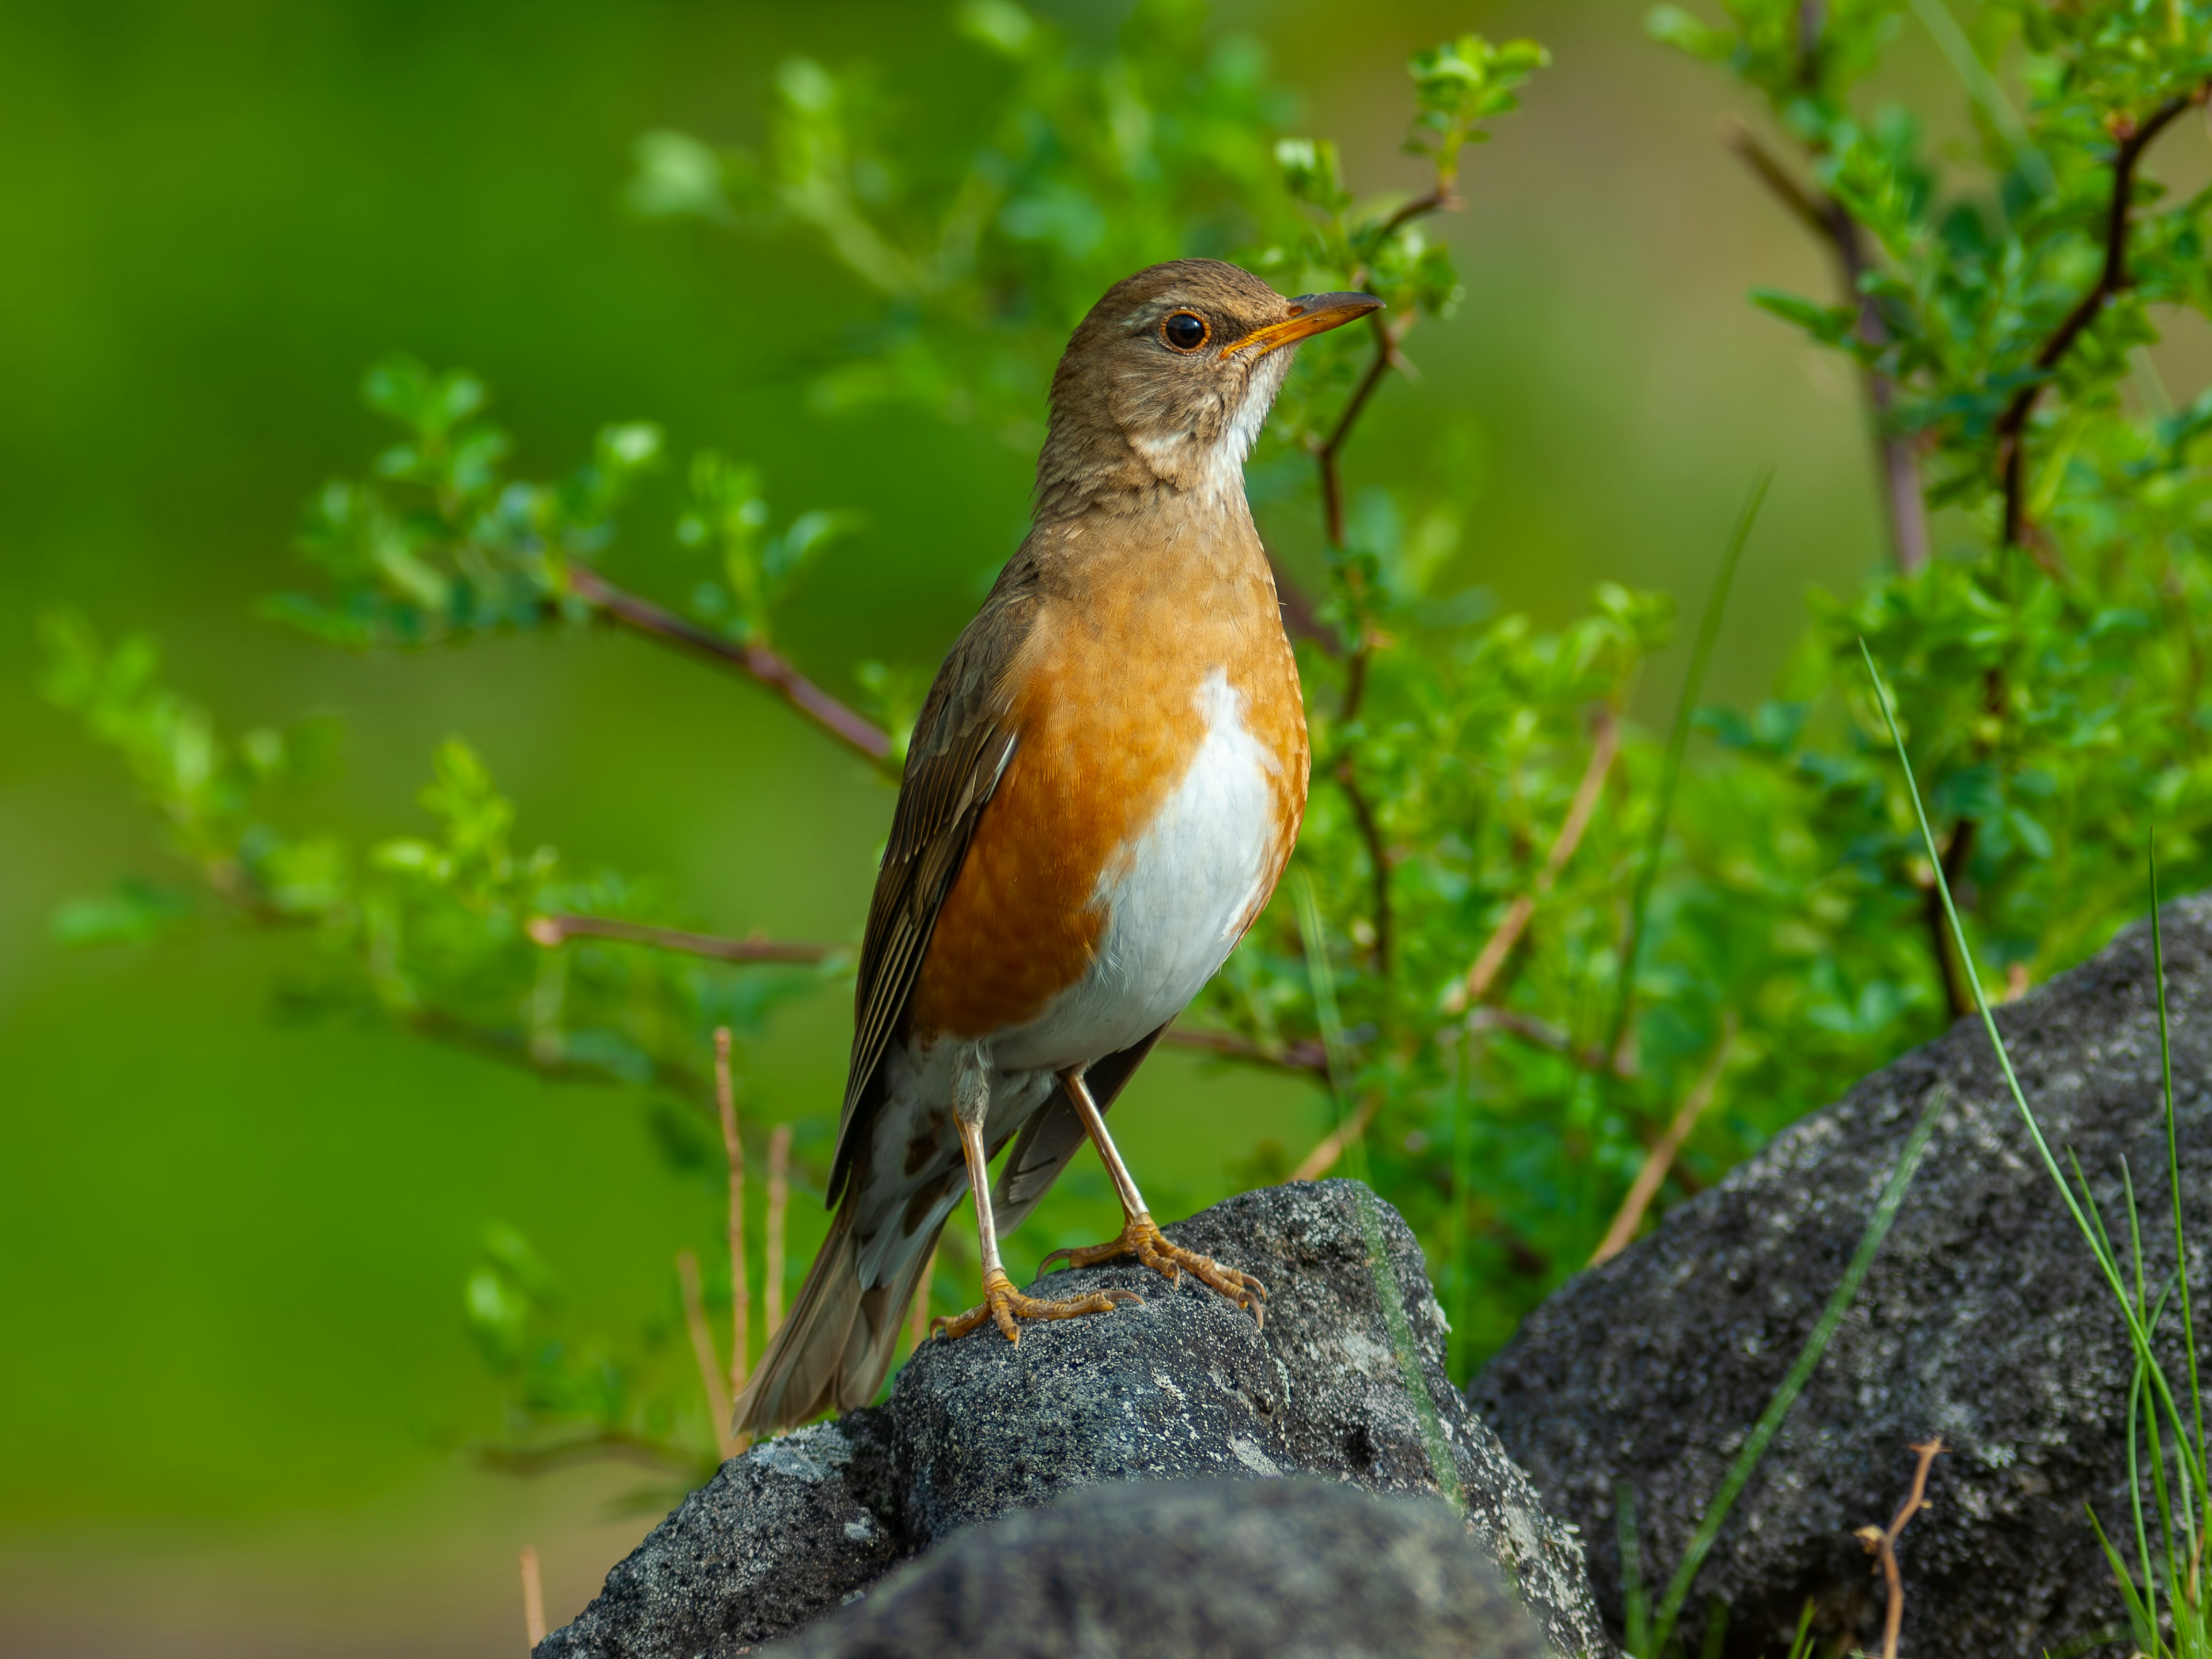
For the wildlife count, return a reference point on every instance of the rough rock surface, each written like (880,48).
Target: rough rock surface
(1164,1569)
(1185,1386)
(779,1536)
(1984,1320)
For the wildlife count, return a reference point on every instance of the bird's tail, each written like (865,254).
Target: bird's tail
(835,1347)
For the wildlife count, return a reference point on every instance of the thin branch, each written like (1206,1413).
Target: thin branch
(1481,976)
(1307,1056)
(1318,1161)
(1378,858)
(533,1596)
(1325,458)
(553,931)
(778,1199)
(1539,1033)
(702,1350)
(1439,200)
(1300,620)
(1829,220)
(733,1147)
(2112,280)
(1956,991)
(1739,140)
(610,1445)
(769,667)
(1660,1158)
(1883,1542)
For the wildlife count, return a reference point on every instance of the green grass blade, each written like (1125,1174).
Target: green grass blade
(1320,975)
(1839,1303)
(1801,1646)
(2174,1184)
(2106,1263)
(1637,1600)
(2146,1630)
(1678,740)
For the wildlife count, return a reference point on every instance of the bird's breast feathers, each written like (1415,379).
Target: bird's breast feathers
(1172,899)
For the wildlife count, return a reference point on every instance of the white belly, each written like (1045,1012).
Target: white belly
(1175,900)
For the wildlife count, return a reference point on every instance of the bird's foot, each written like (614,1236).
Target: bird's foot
(1142,1238)
(1003,1304)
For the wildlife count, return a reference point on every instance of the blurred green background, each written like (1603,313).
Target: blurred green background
(231,1250)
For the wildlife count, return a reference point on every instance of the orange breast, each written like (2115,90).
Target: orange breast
(1109,715)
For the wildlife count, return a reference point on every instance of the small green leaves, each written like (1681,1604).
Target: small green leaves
(675,176)
(1460,85)
(728,517)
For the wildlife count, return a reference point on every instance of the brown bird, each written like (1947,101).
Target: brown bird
(1103,786)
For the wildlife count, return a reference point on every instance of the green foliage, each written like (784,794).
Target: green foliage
(1464,955)
(569,1397)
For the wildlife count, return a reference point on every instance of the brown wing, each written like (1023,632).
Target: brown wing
(961,744)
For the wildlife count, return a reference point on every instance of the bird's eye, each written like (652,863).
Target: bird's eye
(1185,332)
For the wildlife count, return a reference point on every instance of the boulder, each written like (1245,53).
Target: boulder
(1984,1320)
(1345,1381)
(1167,1569)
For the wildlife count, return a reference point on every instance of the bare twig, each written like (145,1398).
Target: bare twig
(1300,620)
(1829,219)
(1492,959)
(779,1197)
(554,931)
(2114,279)
(598,1444)
(1378,856)
(1744,145)
(769,667)
(1882,1542)
(702,1350)
(1956,991)
(733,1147)
(1661,1157)
(1540,1033)
(1307,1056)
(1325,458)
(1318,1161)
(533,1597)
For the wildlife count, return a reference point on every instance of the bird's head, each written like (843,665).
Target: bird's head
(1167,382)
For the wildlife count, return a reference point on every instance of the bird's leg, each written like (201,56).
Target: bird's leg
(1140,1235)
(1002,1304)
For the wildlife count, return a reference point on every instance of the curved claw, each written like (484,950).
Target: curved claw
(1142,1238)
(1003,1304)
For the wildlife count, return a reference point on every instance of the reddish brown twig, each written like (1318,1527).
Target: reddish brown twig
(554,931)
(702,1350)
(778,1198)
(533,1596)
(1378,858)
(1492,958)
(1828,219)
(1883,1542)
(2114,279)
(1318,1161)
(1306,1056)
(1661,1157)
(733,1148)
(767,666)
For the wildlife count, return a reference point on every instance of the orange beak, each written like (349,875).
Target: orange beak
(1310,314)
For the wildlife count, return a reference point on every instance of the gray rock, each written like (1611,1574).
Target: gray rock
(1165,1570)
(779,1535)
(1185,1386)
(1985,1320)
(1189,1385)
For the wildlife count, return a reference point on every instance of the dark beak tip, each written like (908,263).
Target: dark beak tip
(1358,304)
